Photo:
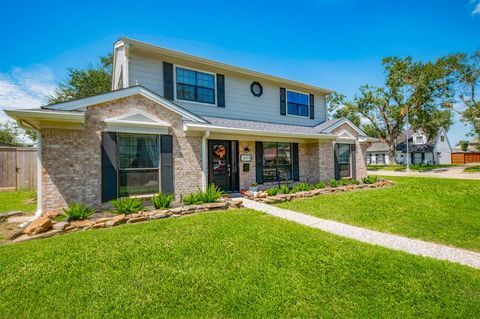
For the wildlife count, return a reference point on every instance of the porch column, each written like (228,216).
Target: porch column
(205,160)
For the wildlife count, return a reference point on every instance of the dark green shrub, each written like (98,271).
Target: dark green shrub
(344,181)
(162,200)
(355,181)
(302,187)
(78,211)
(127,205)
(272,191)
(284,189)
(371,179)
(333,183)
(320,185)
(211,194)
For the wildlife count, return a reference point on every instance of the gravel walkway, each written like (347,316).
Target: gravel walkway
(412,246)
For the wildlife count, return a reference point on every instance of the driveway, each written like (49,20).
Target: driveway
(455,172)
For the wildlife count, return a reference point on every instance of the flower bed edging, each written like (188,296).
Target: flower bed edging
(263,197)
(47,226)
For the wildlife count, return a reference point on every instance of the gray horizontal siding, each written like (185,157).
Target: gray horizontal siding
(239,101)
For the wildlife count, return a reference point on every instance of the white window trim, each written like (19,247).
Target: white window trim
(350,168)
(196,70)
(308,104)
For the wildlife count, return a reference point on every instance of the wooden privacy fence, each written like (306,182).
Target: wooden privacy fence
(18,168)
(465,158)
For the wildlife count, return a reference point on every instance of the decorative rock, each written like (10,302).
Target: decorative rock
(82,223)
(99,225)
(216,205)
(102,220)
(261,194)
(161,215)
(136,215)
(39,225)
(38,236)
(51,215)
(176,210)
(60,225)
(69,228)
(117,220)
(236,203)
(8,214)
(136,220)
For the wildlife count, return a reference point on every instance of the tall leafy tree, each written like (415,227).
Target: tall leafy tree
(86,82)
(12,134)
(423,90)
(469,86)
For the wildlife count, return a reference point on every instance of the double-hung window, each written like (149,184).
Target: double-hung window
(195,86)
(277,161)
(344,160)
(138,167)
(297,103)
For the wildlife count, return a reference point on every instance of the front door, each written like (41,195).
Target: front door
(222,168)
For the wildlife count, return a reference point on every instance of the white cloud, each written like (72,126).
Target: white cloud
(476,9)
(25,88)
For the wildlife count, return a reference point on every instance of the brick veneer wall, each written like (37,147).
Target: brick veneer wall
(72,158)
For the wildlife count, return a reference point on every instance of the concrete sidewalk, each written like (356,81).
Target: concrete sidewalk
(412,246)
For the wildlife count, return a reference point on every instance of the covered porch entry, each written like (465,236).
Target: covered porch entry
(223,164)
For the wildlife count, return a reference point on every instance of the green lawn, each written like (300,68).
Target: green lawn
(11,201)
(235,263)
(439,210)
(472,169)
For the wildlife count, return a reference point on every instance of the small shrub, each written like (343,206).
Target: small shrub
(355,181)
(333,183)
(127,205)
(211,194)
(272,191)
(284,189)
(192,199)
(344,181)
(162,200)
(371,179)
(302,187)
(320,185)
(78,211)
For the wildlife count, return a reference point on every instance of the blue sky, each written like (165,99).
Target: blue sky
(337,44)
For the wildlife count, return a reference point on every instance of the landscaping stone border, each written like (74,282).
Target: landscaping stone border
(47,226)
(262,196)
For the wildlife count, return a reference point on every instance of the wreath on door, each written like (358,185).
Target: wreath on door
(220,151)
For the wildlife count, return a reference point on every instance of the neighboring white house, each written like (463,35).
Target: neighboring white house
(436,150)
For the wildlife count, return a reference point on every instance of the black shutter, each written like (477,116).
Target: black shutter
(220,90)
(109,166)
(168,80)
(283,101)
(353,150)
(259,161)
(337,164)
(166,162)
(296,170)
(312,106)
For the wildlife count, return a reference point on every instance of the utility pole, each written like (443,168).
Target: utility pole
(408,133)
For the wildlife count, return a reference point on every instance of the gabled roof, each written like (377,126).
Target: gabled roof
(329,125)
(83,103)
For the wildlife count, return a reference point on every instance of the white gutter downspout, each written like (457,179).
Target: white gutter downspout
(204,159)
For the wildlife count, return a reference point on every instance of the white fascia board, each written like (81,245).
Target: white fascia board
(46,115)
(244,131)
(83,103)
(136,123)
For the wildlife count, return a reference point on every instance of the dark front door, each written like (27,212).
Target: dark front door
(222,164)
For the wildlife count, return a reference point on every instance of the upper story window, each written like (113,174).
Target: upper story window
(442,138)
(297,103)
(419,140)
(195,86)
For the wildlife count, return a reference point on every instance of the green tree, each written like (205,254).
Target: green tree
(463,145)
(80,83)
(12,134)
(423,90)
(469,85)
(339,107)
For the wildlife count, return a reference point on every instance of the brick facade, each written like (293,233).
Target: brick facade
(72,158)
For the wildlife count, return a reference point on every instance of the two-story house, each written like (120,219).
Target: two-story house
(421,149)
(175,123)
